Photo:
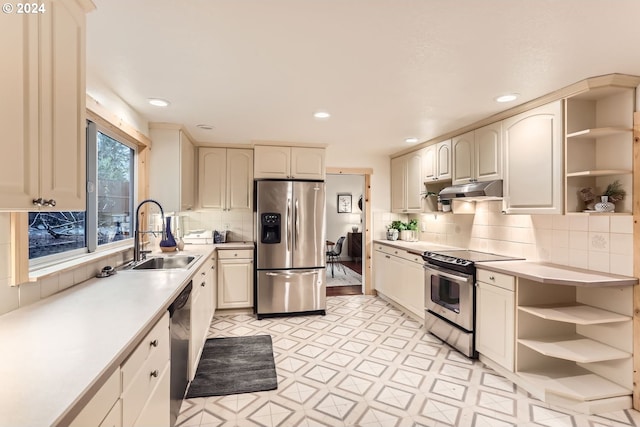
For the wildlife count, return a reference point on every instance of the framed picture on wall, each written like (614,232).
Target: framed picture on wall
(344,203)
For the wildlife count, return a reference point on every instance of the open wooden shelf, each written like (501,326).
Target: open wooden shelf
(578,314)
(599,172)
(575,348)
(577,384)
(598,132)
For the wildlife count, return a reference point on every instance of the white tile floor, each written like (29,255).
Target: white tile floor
(367,364)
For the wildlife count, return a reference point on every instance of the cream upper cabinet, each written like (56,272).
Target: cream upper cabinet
(42,113)
(406,183)
(436,161)
(488,152)
(289,162)
(533,163)
(463,147)
(477,155)
(225,177)
(171,168)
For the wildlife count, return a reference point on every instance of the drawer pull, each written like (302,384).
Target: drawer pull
(492,278)
(202,284)
(154,343)
(155,373)
(203,273)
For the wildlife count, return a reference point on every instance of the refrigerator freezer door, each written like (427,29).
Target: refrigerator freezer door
(274,209)
(291,291)
(308,224)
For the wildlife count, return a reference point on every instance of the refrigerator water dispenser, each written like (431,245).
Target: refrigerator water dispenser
(270,227)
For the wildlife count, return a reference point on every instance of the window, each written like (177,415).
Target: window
(110,196)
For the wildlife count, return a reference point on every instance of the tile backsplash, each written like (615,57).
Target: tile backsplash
(595,242)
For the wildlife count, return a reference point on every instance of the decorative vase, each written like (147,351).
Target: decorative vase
(168,244)
(605,205)
(392,234)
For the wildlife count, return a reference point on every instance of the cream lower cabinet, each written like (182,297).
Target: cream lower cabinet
(202,309)
(235,278)
(495,317)
(399,276)
(225,179)
(145,379)
(533,140)
(104,409)
(42,113)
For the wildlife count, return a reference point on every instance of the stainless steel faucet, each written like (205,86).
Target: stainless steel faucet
(138,254)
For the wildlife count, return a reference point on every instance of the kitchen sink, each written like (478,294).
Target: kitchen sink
(167,262)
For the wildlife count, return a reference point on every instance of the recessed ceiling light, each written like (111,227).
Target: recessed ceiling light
(411,140)
(321,115)
(205,127)
(507,97)
(158,102)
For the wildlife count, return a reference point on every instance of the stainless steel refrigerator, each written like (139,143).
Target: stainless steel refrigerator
(290,248)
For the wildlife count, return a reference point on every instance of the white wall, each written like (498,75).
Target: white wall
(339,224)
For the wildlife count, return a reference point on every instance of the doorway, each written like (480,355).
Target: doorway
(345,224)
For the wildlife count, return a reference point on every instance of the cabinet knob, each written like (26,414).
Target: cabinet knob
(202,284)
(203,273)
(154,373)
(154,343)
(235,254)
(492,278)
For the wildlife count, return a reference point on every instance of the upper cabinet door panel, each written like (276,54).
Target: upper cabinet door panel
(488,141)
(533,148)
(19,112)
(239,179)
(212,177)
(398,185)
(272,161)
(429,168)
(443,159)
(307,163)
(62,112)
(463,158)
(414,182)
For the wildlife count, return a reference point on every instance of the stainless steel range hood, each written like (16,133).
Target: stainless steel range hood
(487,190)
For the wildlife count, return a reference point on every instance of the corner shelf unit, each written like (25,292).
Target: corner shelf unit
(599,144)
(571,346)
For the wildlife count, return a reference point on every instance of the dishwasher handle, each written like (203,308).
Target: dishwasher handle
(181,300)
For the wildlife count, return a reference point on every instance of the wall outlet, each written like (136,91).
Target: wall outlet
(423,227)
(227,226)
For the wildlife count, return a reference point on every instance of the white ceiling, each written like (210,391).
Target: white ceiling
(384,69)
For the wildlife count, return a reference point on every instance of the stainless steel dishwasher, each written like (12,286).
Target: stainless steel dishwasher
(180,330)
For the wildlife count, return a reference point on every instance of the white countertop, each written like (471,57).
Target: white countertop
(56,350)
(557,274)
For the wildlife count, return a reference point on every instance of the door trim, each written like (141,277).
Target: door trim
(367,283)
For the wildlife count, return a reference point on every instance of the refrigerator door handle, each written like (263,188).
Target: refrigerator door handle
(288,242)
(302,273)
(297,223)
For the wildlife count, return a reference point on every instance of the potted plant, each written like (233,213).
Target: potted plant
(410,232)
(612,194)
(431,200)
(393,230)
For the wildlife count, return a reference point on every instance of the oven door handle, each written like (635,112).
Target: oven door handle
(441,272)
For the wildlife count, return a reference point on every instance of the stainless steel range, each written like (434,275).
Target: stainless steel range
(450,297)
